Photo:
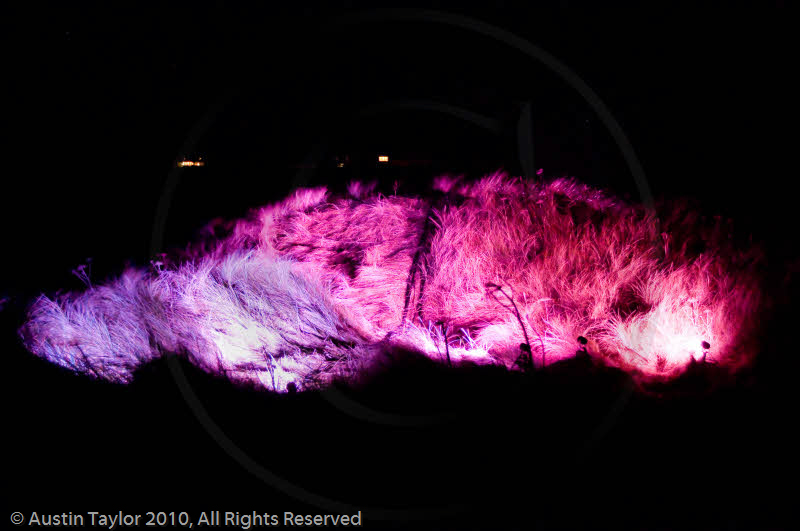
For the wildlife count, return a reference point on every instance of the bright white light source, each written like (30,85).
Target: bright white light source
(383,158)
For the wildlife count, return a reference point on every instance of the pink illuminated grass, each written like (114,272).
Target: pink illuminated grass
(312,288)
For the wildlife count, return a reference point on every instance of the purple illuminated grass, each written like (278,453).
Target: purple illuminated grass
(312,289)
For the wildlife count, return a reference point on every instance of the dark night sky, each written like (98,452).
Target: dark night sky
(102,100)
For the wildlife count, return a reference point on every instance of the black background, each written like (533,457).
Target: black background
(105,100)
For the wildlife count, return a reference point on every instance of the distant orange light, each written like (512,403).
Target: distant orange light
(383,158)
(186,163)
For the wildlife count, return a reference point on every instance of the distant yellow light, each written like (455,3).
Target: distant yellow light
(383,158)
(186,163)
(340,164)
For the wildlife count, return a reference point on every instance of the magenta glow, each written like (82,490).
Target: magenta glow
(315,287)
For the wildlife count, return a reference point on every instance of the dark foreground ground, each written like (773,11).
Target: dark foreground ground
(106,100)
(565,448)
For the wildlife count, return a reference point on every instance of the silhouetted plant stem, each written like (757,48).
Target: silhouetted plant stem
(518,316)
(445,333)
